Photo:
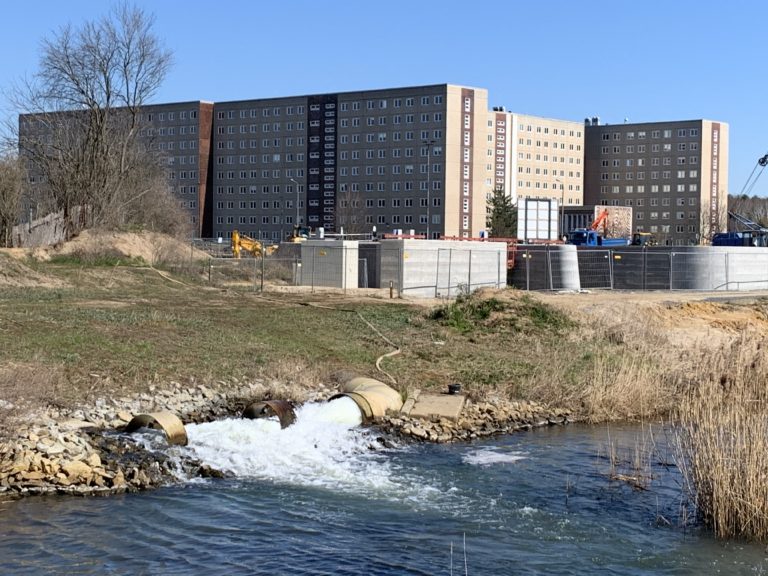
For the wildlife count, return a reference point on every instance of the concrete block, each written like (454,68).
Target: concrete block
(441,405)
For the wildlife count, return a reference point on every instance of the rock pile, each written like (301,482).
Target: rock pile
(81,451)
(477,420)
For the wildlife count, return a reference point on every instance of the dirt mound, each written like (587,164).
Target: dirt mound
(151,247)
(14,272)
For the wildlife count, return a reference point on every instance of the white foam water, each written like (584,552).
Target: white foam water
(489,457)
(325,447)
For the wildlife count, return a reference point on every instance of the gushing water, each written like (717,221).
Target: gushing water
(325,447)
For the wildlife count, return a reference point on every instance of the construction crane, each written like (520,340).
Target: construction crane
(599,220)
(241,242)
(749,185)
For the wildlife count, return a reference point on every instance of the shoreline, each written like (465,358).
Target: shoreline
(83,452)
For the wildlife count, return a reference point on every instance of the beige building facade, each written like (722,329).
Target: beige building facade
(535,157)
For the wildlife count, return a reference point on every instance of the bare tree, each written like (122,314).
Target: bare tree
(350,213)
(10,197)
(753,208)
(81,113)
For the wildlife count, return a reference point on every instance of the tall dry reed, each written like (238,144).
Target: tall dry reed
(722,440)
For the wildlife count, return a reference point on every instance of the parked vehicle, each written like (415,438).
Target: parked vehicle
(591,237)
(644,239)
(746,238)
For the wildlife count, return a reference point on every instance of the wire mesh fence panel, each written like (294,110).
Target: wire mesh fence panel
(700,270)
(329,267)
(595,268)
(216,247)
(281,271)
(627,269)
(657,270)
(222,271)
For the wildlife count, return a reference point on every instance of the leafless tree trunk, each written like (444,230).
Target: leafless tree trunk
(10,197)
(81,113)
(350,213)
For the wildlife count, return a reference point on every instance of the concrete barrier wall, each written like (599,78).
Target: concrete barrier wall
(329,263)
(444,268)
(728,268)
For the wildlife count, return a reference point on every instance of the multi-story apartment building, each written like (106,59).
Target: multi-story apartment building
(673,174)
(181,133)
(404,158)
(534,157)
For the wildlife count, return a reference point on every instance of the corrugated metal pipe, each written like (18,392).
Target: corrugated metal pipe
(374,398)
(280,408)
(165,421)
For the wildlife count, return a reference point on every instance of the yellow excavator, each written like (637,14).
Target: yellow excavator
(241,242)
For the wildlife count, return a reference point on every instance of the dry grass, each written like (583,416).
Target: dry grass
(722,440)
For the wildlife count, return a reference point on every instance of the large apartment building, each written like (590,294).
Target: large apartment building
(404,158)
(673,174)
(181,133)
(425,159)
(535,157)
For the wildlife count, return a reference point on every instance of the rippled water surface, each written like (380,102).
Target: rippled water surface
(315,499)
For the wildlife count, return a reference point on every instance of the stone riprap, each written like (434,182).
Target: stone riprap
(82,451)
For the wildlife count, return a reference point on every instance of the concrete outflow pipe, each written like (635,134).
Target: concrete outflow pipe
(374,398)
(165,421)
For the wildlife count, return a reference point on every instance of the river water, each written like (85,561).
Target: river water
(323,497)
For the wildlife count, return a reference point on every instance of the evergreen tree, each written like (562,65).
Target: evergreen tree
(502,220)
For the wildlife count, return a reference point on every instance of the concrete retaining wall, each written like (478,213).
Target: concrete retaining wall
(442,268)
(727,268)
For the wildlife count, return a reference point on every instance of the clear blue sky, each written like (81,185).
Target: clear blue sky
(644,60)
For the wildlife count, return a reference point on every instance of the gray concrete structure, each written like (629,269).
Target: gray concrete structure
(726,268)
(329,263)
(430,269)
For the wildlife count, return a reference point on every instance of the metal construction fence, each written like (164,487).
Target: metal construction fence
(437,272)
(700,268)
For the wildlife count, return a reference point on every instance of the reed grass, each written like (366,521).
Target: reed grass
(722,440)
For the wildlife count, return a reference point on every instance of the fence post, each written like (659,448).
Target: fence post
(528,270)
(610,267)
(727,273)
(437,272)
(263,266)
(670,270)
(210,267)
(450,259)
(498,270)
(469,274)
(314,249)
(645,268)
(401,254)
(549,269)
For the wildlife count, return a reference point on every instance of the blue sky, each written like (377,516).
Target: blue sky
(644,60)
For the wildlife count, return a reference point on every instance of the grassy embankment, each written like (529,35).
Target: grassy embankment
(112,329)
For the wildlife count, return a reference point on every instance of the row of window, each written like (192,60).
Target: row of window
(354,219)
(424,117)
(665,175)
(266,112)
(654,189)
(169,116)
(545,144)
(545,130)
(545,185)
(641,135)
(540,158)
(666,161)
(655,148)
(382,103)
